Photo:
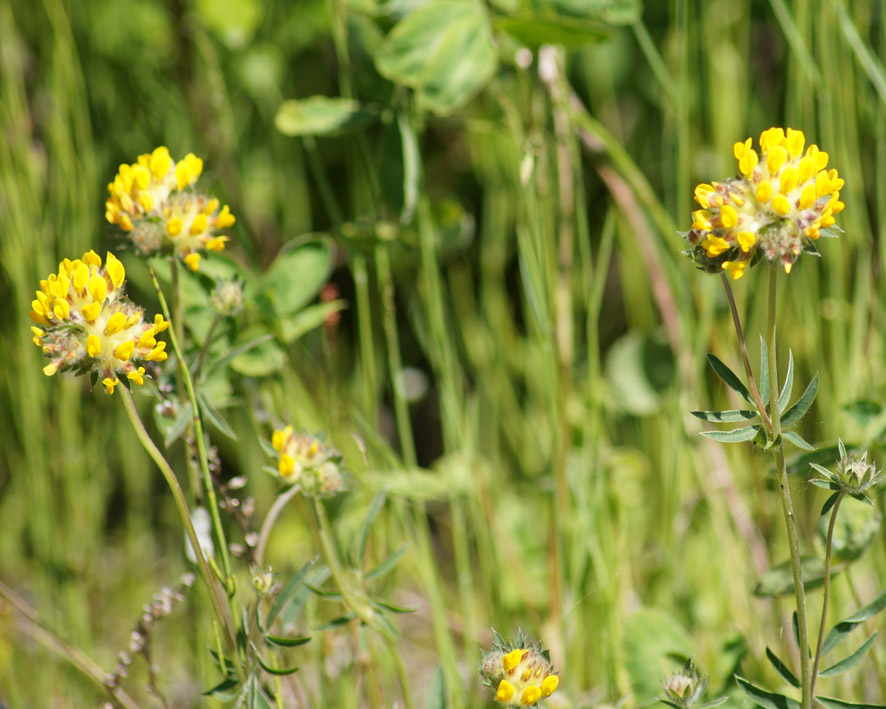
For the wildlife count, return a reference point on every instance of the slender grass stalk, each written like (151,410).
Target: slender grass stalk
(199,435)
(827,590)
(215,595)
(270,519)
(784,490)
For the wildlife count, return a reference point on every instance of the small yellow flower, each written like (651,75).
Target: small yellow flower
(306,460)
(87,324)
(778,204)
(521,673)
(154,200)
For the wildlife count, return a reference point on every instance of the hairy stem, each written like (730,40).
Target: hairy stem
(827,591)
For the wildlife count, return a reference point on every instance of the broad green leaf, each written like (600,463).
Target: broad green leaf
(308,319)
(288,590)
(639,369)
(295,277)
(322,115)
(745,433)
(793,414)
(730,377)
(863,410)
(437,690)
(797,440)
(535,30)
(260,360)
(782,669)
(847,663)
(829,703)
(443,50)
(730,416)
(785,395)
(766,699)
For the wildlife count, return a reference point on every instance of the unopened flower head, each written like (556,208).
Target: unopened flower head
(306,460)
(779,203)
(84,322)
(855,475)
(521,673)
(154,200)
(685,688)
(227,297)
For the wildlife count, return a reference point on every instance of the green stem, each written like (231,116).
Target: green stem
(221,611)
(208,487)
(827,591)
(784,490)
(752,382)
(205,349)
(359,606)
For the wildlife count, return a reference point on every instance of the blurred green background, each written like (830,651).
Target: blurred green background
(517,304)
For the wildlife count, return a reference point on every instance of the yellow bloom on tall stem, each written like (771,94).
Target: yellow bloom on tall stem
(777,205)
(84,322)
(154,201)
(521,673)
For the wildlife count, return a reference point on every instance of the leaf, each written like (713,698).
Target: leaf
(779,580)
(829,503)
(782,669)
(374,508)
(829,703)
(326,595)
(793,414)
(534,30)
(260,360)
(850,661)
(273,670)
(295,277)
(308,319)
(444,50)
(281,641)
(392,607)
(863,410)
(797,440)
(712,704)
(762,698)
(182,421)
(290,588)
(730,416)
(785,395)
(655,645)
(745,433)
(236,352)
(214,417)
(221,690)
(437,690)
(869,611)
(388,564)
(336,622)
(322,115)
(730,377)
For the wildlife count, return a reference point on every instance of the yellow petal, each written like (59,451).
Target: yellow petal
(124,350)
(93,346)
(530,695)
(512,659)
(505,691)
(115,323)
(551,682)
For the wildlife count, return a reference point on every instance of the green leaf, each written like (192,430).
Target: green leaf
(535,30)
(869,611)
(797,440)
(745,433)
(730,377)
(295,277)
(437,690)
(730,416)
(236,352)
(612,12)
(281,641)
(444,50)
(779,580)
(655,645)
(785,395)
(712,704)
(257,699)
(829,703)
(326,595)
(214,417)
(260,360)
(782,669)
(388,564)
(337,622)
(793,414)
(850,661)
(830,502)
(286,594)
(374,508)
(386,605)
(178,426)
(863,410)
(222,690)
(322,115)
(308,319)
(762,698)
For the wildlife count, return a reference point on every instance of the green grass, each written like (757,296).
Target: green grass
(550,478)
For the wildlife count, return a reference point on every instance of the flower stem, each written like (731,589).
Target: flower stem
(827,590)
(752,382)
(178,496)
(208,488)
(784,491)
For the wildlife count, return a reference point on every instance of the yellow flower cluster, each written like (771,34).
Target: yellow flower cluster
(84,322)
(782,198)
(520,676)
(307,461)
(154,201)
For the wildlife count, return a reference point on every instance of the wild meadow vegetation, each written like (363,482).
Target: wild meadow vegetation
(389,346)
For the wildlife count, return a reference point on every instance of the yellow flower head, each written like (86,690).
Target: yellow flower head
(521,673)
(84,322)
(154,201)
(777,205)
(306,460)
